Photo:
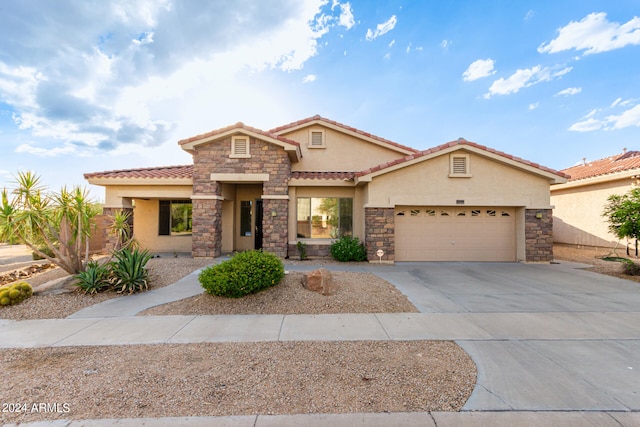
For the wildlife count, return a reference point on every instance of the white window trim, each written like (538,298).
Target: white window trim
(324,140)
(467,161)
(233,154)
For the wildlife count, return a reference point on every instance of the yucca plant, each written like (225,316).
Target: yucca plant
(93,279)
(129,270)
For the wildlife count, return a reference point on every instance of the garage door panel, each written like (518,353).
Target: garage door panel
(455,234)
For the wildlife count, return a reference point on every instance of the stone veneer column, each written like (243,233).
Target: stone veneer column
(538,235)
(207,228)
(110,240)
(379,229)
(275,230)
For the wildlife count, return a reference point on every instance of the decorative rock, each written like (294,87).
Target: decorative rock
(319,281)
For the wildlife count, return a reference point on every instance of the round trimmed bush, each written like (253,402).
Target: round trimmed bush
(348,248)
(246,273)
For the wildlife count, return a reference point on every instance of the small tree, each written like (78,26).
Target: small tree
(61,222)
(623,214)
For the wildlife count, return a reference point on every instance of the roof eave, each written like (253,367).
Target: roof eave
(293,150)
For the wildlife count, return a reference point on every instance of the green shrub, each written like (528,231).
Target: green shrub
(244,274)
(129,272)
(94,279)
(302,250)
(630,268)
(45,250)
(348,248)
(14,293)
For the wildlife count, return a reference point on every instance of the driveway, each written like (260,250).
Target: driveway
(544,337)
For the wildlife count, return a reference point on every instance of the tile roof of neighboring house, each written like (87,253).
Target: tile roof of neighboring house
(238,125)
(345,176)
(620,162)
(168,172)
(460,141)
(343,126)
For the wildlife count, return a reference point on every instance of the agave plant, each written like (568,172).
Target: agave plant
(93,279)
(129,270)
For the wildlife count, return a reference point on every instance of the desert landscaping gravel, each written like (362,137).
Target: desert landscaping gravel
(240,378)
(232,378)
(236,379)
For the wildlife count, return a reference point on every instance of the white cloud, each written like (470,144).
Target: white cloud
(530,14)
(524,78)
(628,118)
(117,74)
(445,44)
(346,18)
(45,152)
(594,34)
(534,106)
(616,102)
(309,78)
(587,125)
(479,69)
(570,91)
(381,29)
(392,43)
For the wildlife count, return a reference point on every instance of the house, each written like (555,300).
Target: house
(316,179)
(579,203)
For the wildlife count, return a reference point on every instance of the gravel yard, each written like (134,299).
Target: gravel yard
(234,378)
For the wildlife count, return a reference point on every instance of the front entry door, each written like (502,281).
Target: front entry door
(258,224)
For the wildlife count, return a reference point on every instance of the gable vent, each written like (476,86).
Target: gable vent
(241,147)
(459,165)
(317,139)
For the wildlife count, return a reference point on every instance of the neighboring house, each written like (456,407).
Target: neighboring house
(316,179)
(579,203)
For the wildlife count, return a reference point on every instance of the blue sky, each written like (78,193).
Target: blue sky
(93,86)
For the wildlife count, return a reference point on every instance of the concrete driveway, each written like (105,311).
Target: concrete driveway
(544,337)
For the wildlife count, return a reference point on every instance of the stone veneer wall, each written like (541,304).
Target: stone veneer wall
(538,235)
(274,227)
(379,232)
(206,228)
(110,240)
(214,158)
(313,250)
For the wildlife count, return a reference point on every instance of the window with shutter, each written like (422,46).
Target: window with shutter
(316,139)
(240,147)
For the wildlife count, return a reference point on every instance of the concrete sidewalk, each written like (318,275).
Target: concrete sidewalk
(553,345)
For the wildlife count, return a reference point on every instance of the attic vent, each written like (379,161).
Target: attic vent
(459,166)
(317,139)
(240,147)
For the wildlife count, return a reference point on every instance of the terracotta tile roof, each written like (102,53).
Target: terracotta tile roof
(344,176)
(609,165)
(343,126)
(460,141)
(238,125)
(167,172)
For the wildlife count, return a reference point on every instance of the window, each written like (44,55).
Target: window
(324,217)
(240,147)
(316,139)
(175,217)
(245,218)
(459,166)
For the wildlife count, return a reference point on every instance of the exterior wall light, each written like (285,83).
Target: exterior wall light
(539,215)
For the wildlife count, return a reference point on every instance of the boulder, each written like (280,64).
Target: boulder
(320,281)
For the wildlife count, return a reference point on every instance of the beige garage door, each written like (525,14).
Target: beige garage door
(455,234)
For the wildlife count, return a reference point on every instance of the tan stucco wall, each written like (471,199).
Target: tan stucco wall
(343,153)
(116,196)
(428,183)
(145,229)
(578,212)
